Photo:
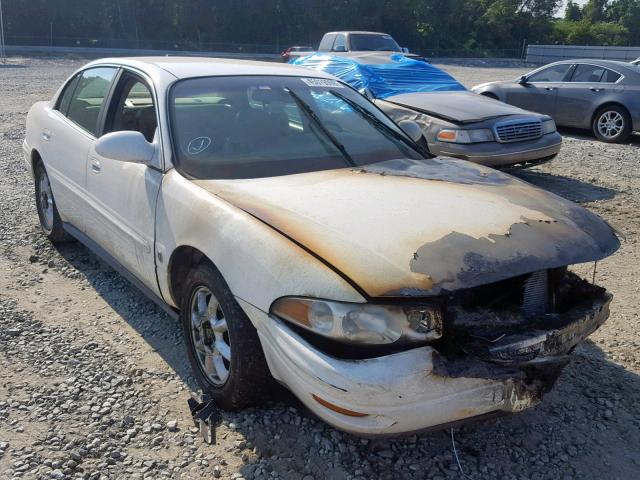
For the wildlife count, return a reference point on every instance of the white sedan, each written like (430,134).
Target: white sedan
(300,235)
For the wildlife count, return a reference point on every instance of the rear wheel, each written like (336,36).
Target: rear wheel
(223,346)
(50,221)
(612,124)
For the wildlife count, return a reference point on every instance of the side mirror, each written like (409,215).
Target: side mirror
(125,146)
(340,48)
(412,129)
(523,80)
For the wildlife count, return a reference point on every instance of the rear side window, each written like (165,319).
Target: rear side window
(587,73)
(610,76)
(340,44)
(88,97)
(327,43)
(65,98)
(555,73)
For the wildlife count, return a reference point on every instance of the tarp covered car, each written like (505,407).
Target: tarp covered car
(454,121)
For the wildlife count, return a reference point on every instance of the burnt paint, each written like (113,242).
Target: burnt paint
(568,234)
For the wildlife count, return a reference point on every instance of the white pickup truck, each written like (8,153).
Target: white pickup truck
(356,41)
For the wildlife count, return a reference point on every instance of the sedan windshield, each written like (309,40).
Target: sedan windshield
(361,42)
(254,126)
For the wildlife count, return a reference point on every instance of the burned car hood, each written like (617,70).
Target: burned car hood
(422,227)
(457,107)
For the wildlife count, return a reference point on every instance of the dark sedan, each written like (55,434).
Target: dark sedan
(453,121)
(601,95)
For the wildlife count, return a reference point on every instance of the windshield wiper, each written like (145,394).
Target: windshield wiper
(375,121)
(314,118)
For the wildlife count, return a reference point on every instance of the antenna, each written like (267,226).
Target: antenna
(3,52)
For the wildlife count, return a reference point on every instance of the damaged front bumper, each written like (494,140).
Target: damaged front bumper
(423,388)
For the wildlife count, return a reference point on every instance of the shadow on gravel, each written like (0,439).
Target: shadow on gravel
(570,188)
(159,330)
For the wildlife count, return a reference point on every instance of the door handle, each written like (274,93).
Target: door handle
(550,89)
(95,165)
(46,135)
(594,89)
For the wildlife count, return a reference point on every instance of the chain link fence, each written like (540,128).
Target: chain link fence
(229,47)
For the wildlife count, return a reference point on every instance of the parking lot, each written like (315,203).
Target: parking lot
(94,379)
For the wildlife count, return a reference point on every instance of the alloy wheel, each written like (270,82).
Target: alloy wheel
(610,124)
(45,200)
(210,336)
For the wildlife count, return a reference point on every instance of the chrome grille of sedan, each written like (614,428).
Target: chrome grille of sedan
(518,130)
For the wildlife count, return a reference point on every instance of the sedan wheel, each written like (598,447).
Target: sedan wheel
(210,336)
(222,344)
(612,124)
(46,206)
(45,200)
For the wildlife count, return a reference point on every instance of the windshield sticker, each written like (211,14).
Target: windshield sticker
(198,145)
(322,82)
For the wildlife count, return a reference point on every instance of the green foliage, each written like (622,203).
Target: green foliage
(572,12)
(460,25)
(584,33)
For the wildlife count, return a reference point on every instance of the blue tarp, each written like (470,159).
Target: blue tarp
(383,76)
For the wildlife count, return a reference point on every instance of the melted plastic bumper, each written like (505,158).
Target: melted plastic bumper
(420,388)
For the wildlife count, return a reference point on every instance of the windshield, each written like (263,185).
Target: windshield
(361,42)
(253,126)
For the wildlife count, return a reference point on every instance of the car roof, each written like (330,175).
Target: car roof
(598,62)
(358,32)
(187,67)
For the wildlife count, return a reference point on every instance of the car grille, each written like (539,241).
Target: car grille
(518,131)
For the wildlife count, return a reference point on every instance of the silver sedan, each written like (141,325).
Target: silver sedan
(600,95)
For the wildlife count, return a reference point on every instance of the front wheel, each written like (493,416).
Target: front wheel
(612,124)
(50,221)
(222,344)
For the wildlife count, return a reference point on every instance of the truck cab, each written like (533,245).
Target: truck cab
(345,42)
(359,42)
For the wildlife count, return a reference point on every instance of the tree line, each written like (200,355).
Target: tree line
(447,25)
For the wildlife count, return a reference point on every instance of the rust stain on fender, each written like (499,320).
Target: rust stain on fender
(421,227)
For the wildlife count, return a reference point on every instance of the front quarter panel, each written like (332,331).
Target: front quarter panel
(258,263)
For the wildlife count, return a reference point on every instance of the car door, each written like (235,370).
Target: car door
(539,91)
(123,195)
(70,132)
(583,92)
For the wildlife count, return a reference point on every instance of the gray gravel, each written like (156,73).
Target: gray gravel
(94,383)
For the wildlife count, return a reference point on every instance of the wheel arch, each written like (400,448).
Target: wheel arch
(611,103)
(35,159)
(182,260)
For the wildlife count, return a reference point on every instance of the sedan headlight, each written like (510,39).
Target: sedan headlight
(479,135)
(362,323)
(548,126)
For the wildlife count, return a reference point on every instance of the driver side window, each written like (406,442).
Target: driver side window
(555,73)
(132,108)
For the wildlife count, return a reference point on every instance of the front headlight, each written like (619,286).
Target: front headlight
(479,135)
(362,323)
(548,126)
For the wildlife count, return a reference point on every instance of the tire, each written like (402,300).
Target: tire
(50,221)
(248,380)
(612,124)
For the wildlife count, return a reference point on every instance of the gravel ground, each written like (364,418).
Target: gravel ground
(94,382)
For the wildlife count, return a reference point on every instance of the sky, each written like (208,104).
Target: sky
(564,4)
